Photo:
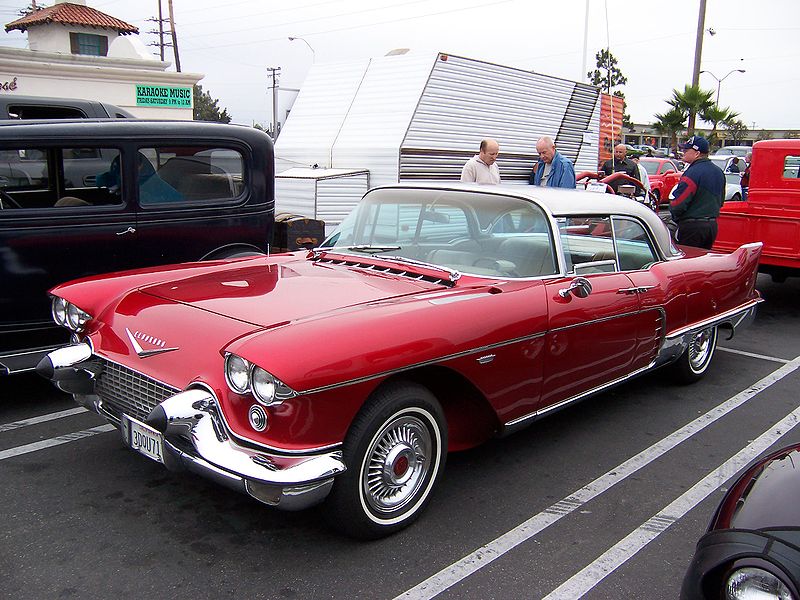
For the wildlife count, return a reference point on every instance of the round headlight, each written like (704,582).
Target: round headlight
(59,310)
(237,373)
(751,583)
(263,385)
(76,318)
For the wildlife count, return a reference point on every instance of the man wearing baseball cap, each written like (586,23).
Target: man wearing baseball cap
(695,203)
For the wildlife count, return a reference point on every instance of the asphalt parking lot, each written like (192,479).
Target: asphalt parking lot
(602,500)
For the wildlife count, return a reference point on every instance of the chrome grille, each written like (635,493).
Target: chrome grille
(123,390)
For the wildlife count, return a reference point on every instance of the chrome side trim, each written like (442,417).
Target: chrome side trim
(433,361)
(524,420)
(738,314)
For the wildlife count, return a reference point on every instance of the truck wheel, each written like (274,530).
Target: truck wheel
(395,452)
(695,360)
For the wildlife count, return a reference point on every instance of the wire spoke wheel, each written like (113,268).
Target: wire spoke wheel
(701,348)
(397,463)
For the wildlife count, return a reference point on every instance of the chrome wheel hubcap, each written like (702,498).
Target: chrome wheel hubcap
(397,463)
(700,349)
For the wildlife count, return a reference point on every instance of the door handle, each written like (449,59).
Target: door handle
(128,230)
(635,290)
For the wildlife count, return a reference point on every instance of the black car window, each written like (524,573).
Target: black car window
(170,174)
(57,177)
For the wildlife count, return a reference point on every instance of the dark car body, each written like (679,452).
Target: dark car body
(755,530)
(35,107)
(79,198)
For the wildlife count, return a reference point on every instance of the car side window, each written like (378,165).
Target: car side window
(588,244)
(634,249)
(28,182)
(791,167)
(189,174)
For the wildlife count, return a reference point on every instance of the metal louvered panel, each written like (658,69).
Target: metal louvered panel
(123,390)
(337,197)
(467,100)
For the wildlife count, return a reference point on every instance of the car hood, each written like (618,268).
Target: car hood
(268,294)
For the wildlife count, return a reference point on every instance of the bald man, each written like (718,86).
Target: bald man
(482,168)
(552,169)
(619,163)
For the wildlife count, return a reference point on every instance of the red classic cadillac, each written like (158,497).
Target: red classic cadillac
(436,316)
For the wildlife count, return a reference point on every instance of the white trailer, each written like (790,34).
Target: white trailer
(420,116)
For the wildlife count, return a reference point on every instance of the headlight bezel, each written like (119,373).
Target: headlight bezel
(753,573)
(69,315)
(242,371)
(265,388)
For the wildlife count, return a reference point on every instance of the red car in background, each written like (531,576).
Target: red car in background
(664,175)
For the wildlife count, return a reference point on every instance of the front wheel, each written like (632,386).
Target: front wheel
(695,360)
(395,452)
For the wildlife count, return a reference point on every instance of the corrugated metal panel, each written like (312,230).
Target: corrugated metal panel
(338,196)
(318,114)
(295,196)
(378,119)
(467,100)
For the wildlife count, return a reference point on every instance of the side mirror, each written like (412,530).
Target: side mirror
(580,287)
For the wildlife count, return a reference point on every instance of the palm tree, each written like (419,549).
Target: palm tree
(694,101)
(715,115)
(671,123)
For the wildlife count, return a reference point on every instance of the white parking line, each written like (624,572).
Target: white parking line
(466,566)
(56,441)
(42,419)
(583,581)
(753,355)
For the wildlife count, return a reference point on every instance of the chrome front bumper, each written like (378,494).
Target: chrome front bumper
(194,438)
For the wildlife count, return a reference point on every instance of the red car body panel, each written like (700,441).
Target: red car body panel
(665,178)
(771,213)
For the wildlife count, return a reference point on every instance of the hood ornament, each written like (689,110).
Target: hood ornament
(149,339)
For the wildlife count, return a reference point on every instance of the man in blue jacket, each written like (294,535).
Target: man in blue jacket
(695,203)
(552,169)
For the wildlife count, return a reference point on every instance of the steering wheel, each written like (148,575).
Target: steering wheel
(6,201)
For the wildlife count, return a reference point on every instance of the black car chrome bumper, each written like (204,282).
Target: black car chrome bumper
(191,436)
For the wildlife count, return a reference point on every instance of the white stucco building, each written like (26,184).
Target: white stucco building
(75,51)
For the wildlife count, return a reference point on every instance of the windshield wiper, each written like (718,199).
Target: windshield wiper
(371,249)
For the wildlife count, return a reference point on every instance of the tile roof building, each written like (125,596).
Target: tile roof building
(76,51)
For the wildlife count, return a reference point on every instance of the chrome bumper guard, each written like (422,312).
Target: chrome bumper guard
(194,439)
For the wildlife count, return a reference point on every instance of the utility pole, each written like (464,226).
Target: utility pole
(160,43)
(274,74)
(698,54)
(174,37)
(161,30)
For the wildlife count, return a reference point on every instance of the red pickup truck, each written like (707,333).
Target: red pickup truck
(771,213)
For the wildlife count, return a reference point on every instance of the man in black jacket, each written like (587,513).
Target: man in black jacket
(620,163)
(695,203)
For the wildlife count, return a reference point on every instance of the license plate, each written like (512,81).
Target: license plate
(596,186)
(145,440)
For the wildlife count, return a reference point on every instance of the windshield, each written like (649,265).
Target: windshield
(482,234)
(651,166)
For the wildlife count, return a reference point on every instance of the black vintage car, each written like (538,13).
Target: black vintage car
(36,107)
(752,547)
(85,197)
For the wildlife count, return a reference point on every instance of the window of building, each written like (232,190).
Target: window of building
(88,44)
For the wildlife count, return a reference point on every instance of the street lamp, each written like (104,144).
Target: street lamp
(719,81)
(313,54)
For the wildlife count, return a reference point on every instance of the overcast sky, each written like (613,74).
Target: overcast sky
(232,43)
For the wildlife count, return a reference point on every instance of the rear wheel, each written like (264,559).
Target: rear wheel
(395,452)
(695,360)
(736,198)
